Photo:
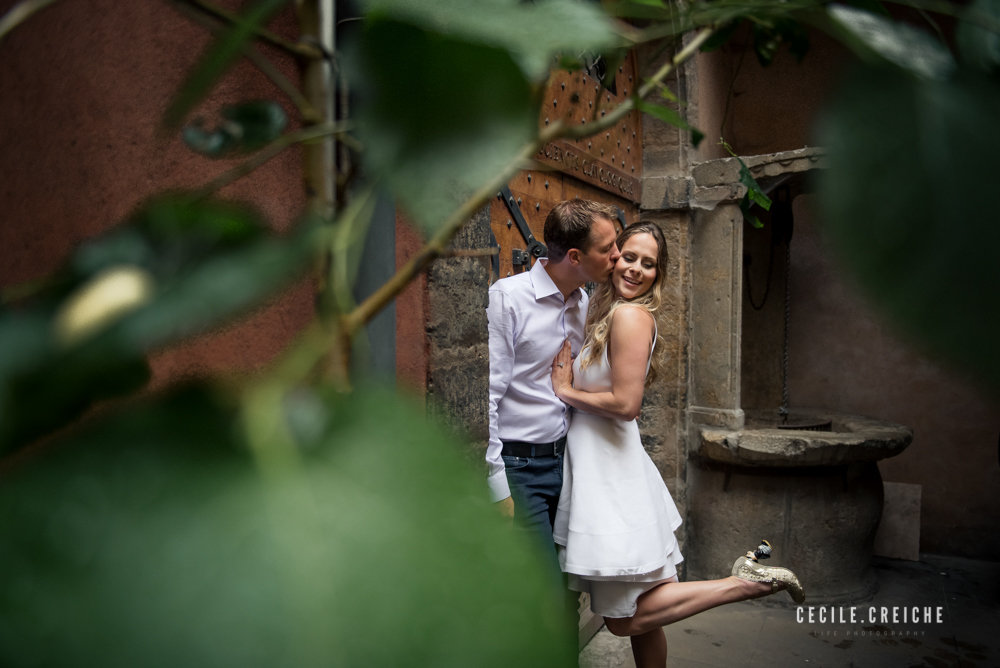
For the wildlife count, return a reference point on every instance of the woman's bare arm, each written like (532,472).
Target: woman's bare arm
(629,346)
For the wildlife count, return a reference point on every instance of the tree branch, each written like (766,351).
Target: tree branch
(436,246)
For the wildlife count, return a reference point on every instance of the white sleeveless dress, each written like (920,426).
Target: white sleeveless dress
(615,522)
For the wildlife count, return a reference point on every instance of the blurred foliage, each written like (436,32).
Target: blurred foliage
(908,196)
(470,88)
(203,261)
(151,540)
(220,57)
(245,127)
(280,522)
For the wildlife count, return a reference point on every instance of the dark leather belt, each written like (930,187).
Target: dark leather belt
(523,449)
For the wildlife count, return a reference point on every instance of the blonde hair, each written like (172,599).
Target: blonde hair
(605,302)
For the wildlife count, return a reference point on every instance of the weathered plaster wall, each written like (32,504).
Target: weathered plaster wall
(759,109)
(84,85)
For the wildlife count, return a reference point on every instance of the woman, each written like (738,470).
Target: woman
(616,520)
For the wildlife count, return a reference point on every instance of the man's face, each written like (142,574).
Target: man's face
(597,263)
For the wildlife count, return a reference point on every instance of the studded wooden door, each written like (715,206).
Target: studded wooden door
(605,167)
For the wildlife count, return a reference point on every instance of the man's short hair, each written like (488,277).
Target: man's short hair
(568,225)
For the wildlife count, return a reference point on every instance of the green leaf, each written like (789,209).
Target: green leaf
(169,234)
(44,385)
(754,192)
(247,127)
(531,32)
(157,537)
(899,43)
(214,143)
(770,36)
(746,207)
(908,201)
(219,57)
(469,86)
(721,36)
(668,94)
(202,262)
(978,43)
(469,112)
(668,115)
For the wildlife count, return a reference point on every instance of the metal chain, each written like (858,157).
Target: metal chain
(783,411)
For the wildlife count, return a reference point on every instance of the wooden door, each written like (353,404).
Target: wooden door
(606,167)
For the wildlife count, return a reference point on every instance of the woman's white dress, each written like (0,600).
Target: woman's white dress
(615,522)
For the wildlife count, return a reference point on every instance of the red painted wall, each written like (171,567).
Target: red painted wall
(83,86)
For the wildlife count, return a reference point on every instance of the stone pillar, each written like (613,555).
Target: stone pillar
(715,190)
(716,305)
(457,339)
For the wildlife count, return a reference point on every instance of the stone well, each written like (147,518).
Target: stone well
(815,495)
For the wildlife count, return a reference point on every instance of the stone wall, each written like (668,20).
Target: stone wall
(662,420)
(458,356)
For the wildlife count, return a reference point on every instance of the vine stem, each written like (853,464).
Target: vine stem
(435,247)
(299,49)
(267,153)
(20,13)
(266,67)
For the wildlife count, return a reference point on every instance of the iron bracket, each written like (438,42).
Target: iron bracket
(519,258)
(535,247)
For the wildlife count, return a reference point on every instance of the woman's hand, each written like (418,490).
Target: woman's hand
(562,370)
(629,344)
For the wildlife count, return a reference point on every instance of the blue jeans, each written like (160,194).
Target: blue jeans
(535,483)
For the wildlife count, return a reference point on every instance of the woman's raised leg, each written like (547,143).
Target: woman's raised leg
(673,601)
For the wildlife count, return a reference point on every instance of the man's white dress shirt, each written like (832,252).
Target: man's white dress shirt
(528,322)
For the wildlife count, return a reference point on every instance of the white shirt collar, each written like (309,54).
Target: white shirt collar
(544,285)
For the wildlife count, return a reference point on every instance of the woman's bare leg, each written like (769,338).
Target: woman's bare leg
(650,649)
(673,601)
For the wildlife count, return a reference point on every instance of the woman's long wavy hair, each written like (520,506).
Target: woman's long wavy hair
(604,302)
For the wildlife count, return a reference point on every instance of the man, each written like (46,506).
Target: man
(530,315)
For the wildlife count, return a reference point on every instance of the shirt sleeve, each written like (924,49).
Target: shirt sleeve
(501,346)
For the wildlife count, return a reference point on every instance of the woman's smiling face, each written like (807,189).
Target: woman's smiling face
(635,271)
